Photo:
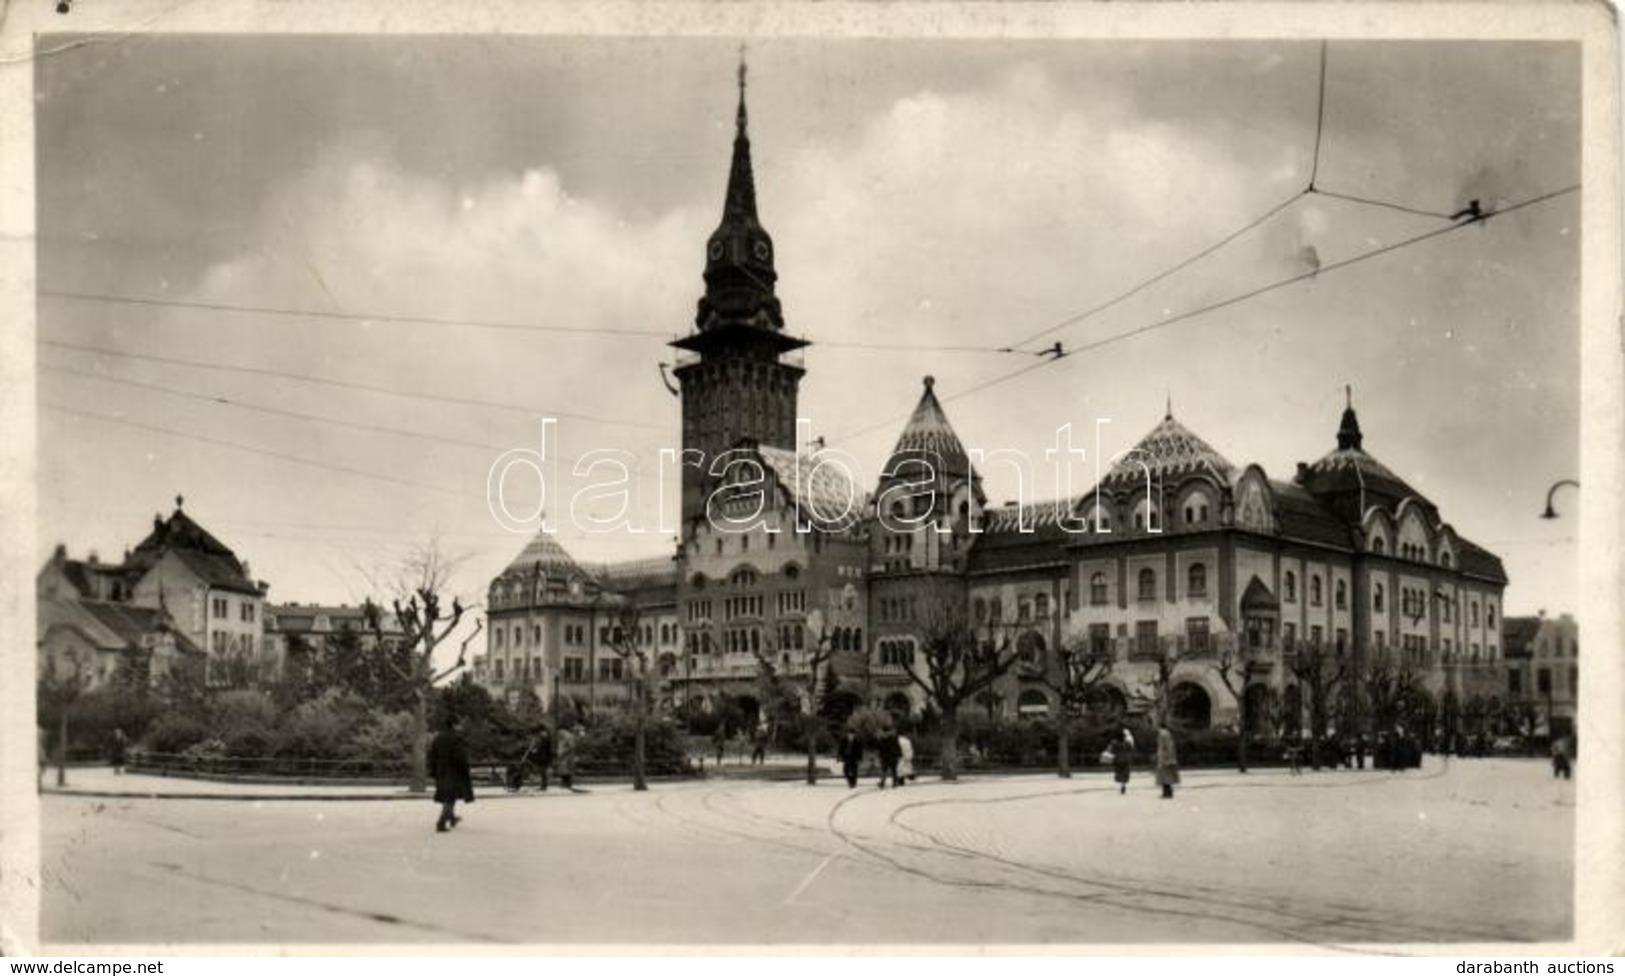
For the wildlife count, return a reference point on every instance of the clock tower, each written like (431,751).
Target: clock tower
(735,384)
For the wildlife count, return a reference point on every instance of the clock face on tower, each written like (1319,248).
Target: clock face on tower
(716,250)
(762,251)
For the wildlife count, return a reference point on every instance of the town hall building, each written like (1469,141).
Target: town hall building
(1178,564)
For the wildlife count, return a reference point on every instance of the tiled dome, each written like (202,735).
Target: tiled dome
(1171,452)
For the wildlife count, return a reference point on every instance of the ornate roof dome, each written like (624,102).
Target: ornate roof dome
(1169,452)
(544,552)
(1349,470)
(929,434)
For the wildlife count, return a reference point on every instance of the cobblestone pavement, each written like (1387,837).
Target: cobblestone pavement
(1476,851)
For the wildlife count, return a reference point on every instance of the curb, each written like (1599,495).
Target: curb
(276,797)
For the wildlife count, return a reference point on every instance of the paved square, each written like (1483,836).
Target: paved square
(1476,850)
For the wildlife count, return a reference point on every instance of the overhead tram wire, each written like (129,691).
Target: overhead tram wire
(531,411)
(295,415)
(1317,191)
(329,315)
(275,411)
(1224,303)
(1080,317)
(233,445)
(1320,120)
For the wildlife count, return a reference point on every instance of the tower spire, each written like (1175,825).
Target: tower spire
(1349,437)
(740,120)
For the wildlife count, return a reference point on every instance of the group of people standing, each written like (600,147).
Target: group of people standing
(1120,754)
(448,766)
(895,751)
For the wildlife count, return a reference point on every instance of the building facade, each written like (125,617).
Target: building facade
(180,589)
(1543,671)
(1177,565)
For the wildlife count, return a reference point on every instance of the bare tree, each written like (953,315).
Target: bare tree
(425,624)
(1390,688)
(959,665)
(815,660)
(1317,669)
(64,679)
(1153,690)
(1079,674)
(1232,668)
(641,675)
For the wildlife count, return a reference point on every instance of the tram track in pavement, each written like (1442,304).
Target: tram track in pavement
(1112,891)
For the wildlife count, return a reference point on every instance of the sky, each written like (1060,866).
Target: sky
(943,199)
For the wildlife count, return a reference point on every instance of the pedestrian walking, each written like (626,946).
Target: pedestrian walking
(566,753)
(1294,759)
(1120,753)
(453,780)
(850,752)
(1167,762)
(43,738)
(890,754)
(1561,766)
(905,761)
(118,750)
(758,747)
(720,740)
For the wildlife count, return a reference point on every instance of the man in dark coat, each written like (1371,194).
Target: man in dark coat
(890,752)
(1167,761)
(453,781)
(850,752)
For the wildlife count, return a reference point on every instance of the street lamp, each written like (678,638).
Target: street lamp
(1551,512)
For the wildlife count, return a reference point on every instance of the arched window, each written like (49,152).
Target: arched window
(1473,610)
(1315,595)
(1097,589)
(1376,597)
(1030,648)
(1196,580)
(1379,546)
(1489,614)
(1341,595)
(1290,585)
(979,606)
(1148,584)
(1041,606)
(996,610)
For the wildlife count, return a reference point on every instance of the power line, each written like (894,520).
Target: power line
(1233,300)
(346,384)
(1320,118)
(1378,203)
(1307,275)
(292,458)
(1161,275)
(209,398)
(348,316)
(641,475)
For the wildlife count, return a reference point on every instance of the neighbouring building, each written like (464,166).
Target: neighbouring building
(1177,563)
(178,591)
(1543,670)
(295,631)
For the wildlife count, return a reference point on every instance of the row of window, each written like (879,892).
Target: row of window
(747,605)
(220,609)
(1035,608)
(1146,583)
(899,608)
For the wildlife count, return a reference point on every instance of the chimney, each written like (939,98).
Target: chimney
(93,559)
(60,554)
(1303,472)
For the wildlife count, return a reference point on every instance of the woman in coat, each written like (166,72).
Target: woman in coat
(1121,751)
(1167,762)
(850,753)
(453,781)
